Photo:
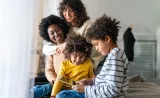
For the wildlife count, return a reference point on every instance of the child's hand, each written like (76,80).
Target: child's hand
(79,88)
(83,81)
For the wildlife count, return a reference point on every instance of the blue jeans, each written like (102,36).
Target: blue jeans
(41,90)
(70,94)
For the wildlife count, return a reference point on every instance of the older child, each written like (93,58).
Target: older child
(78,64)
(112,80)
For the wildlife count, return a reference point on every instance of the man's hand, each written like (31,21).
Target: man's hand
(79,88)
(52,97)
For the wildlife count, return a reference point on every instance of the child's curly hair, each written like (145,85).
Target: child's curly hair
(104,26)
(78,7)
(47,21)
(77,43)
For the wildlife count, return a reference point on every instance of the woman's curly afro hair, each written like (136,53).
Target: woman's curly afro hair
(77,43)
(47,21)
(78,7)
(104,26)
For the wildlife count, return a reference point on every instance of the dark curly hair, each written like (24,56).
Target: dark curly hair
(47,21)
(104,26)
(79,9)
(77,43)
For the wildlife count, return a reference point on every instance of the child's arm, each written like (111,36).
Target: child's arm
(49,69)
(113,71)
(58,84)
(91,73)
(91,76)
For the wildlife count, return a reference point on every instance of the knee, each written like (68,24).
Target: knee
(62,94)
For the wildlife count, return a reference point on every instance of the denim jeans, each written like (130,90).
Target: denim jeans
(70,94)
(41,90)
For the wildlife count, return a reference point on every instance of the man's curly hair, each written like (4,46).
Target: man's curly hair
(77,43)
(104,26)
(78,7)
(47,21)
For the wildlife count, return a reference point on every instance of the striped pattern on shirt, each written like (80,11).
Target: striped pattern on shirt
(112,81)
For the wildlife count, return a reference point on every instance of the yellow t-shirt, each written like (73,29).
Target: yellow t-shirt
(74,72)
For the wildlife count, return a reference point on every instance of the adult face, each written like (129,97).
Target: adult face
(70,16)
(55,34)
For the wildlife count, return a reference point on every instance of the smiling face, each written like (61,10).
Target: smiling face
(77,58)
(103,46)
(70,16)
(55,34)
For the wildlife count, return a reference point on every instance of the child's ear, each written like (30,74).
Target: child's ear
(108,39)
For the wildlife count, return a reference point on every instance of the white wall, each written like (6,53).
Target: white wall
(143,14)
(158,53)
(50,7)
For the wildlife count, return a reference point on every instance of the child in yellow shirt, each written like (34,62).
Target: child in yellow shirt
(77,65)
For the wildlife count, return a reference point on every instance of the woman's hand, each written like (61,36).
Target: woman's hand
(79,88)
(60,49)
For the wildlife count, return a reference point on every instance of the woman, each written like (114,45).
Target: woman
(53,30)
(74,13)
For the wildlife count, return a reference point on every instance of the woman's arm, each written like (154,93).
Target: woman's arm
(49,69)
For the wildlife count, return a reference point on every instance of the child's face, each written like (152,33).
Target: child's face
(102,46)
(77,58)
(55,34)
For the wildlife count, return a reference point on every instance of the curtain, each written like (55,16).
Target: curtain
(18,45)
